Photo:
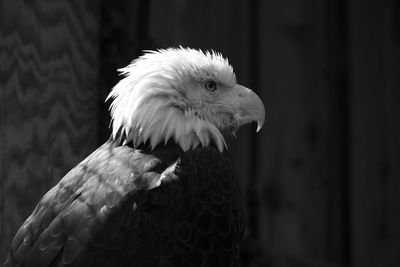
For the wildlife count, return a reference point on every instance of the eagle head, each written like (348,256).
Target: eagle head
(183,94)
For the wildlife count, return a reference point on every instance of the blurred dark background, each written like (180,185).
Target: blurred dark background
(321,181)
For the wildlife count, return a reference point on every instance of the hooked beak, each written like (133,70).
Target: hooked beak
(249,107)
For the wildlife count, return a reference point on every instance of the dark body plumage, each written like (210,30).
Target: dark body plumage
(110,211)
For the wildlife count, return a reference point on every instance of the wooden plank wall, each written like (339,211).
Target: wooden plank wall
(302,186)
(123,36)
(375,132)
(48,100)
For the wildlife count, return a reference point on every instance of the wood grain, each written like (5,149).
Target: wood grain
(303,171)
(375,142)
(122,39)
(48,81)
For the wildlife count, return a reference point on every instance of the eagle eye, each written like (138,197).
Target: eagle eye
(210,86)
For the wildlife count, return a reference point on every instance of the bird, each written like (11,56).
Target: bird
(162,190)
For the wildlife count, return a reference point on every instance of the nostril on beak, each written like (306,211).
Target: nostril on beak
(241,94)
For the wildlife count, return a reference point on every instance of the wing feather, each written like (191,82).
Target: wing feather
(137,207)
(85,211)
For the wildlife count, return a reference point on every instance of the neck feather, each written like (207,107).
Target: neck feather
(156,121)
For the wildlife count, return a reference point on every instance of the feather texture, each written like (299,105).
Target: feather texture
(152,103)
(137,207)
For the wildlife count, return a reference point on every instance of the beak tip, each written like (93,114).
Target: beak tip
(259,126)
(253,107)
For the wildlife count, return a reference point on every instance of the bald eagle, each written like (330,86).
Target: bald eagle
(161,191)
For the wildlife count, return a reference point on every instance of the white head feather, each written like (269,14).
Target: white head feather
(160,98)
